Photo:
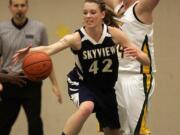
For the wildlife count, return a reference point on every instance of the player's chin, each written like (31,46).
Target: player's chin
(89,25)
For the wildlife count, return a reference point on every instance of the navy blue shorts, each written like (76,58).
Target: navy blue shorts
(104,100)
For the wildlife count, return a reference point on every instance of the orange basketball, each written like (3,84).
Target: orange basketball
(37,66)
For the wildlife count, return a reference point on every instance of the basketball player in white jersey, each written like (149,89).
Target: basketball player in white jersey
(135,83)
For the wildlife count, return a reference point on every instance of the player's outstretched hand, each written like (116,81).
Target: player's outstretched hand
(20,54)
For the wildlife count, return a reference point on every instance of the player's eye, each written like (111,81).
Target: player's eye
(93,12)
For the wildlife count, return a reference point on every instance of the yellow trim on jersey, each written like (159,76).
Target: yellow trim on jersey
(144,128)
(145,48)
(148,82)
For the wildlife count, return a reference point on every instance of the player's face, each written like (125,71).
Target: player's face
(92,14)
(19,9)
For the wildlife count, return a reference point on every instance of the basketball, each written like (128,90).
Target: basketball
(37,66)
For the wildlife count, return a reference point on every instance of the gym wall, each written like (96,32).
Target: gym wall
(65,16)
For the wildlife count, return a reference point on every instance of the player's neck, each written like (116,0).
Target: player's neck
(95,32)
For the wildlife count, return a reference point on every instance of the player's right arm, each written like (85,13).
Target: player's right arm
(144,10)
(112,3)
(148,5)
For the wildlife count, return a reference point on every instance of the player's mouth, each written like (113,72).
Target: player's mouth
(89,22)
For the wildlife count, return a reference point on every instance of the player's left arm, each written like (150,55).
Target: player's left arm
(131,50)
(144,10)
(52,76)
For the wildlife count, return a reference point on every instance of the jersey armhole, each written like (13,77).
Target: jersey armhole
(134,12)
(81,35)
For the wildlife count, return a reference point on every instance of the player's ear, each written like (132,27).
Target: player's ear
(103,14)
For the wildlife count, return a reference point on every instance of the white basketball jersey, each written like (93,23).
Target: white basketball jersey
(142,35)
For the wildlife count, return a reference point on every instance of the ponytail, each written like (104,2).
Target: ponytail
(109,18)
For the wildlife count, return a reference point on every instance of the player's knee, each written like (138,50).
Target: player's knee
(87,108)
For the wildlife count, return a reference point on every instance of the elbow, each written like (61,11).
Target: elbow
(147,62)
(144,59)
